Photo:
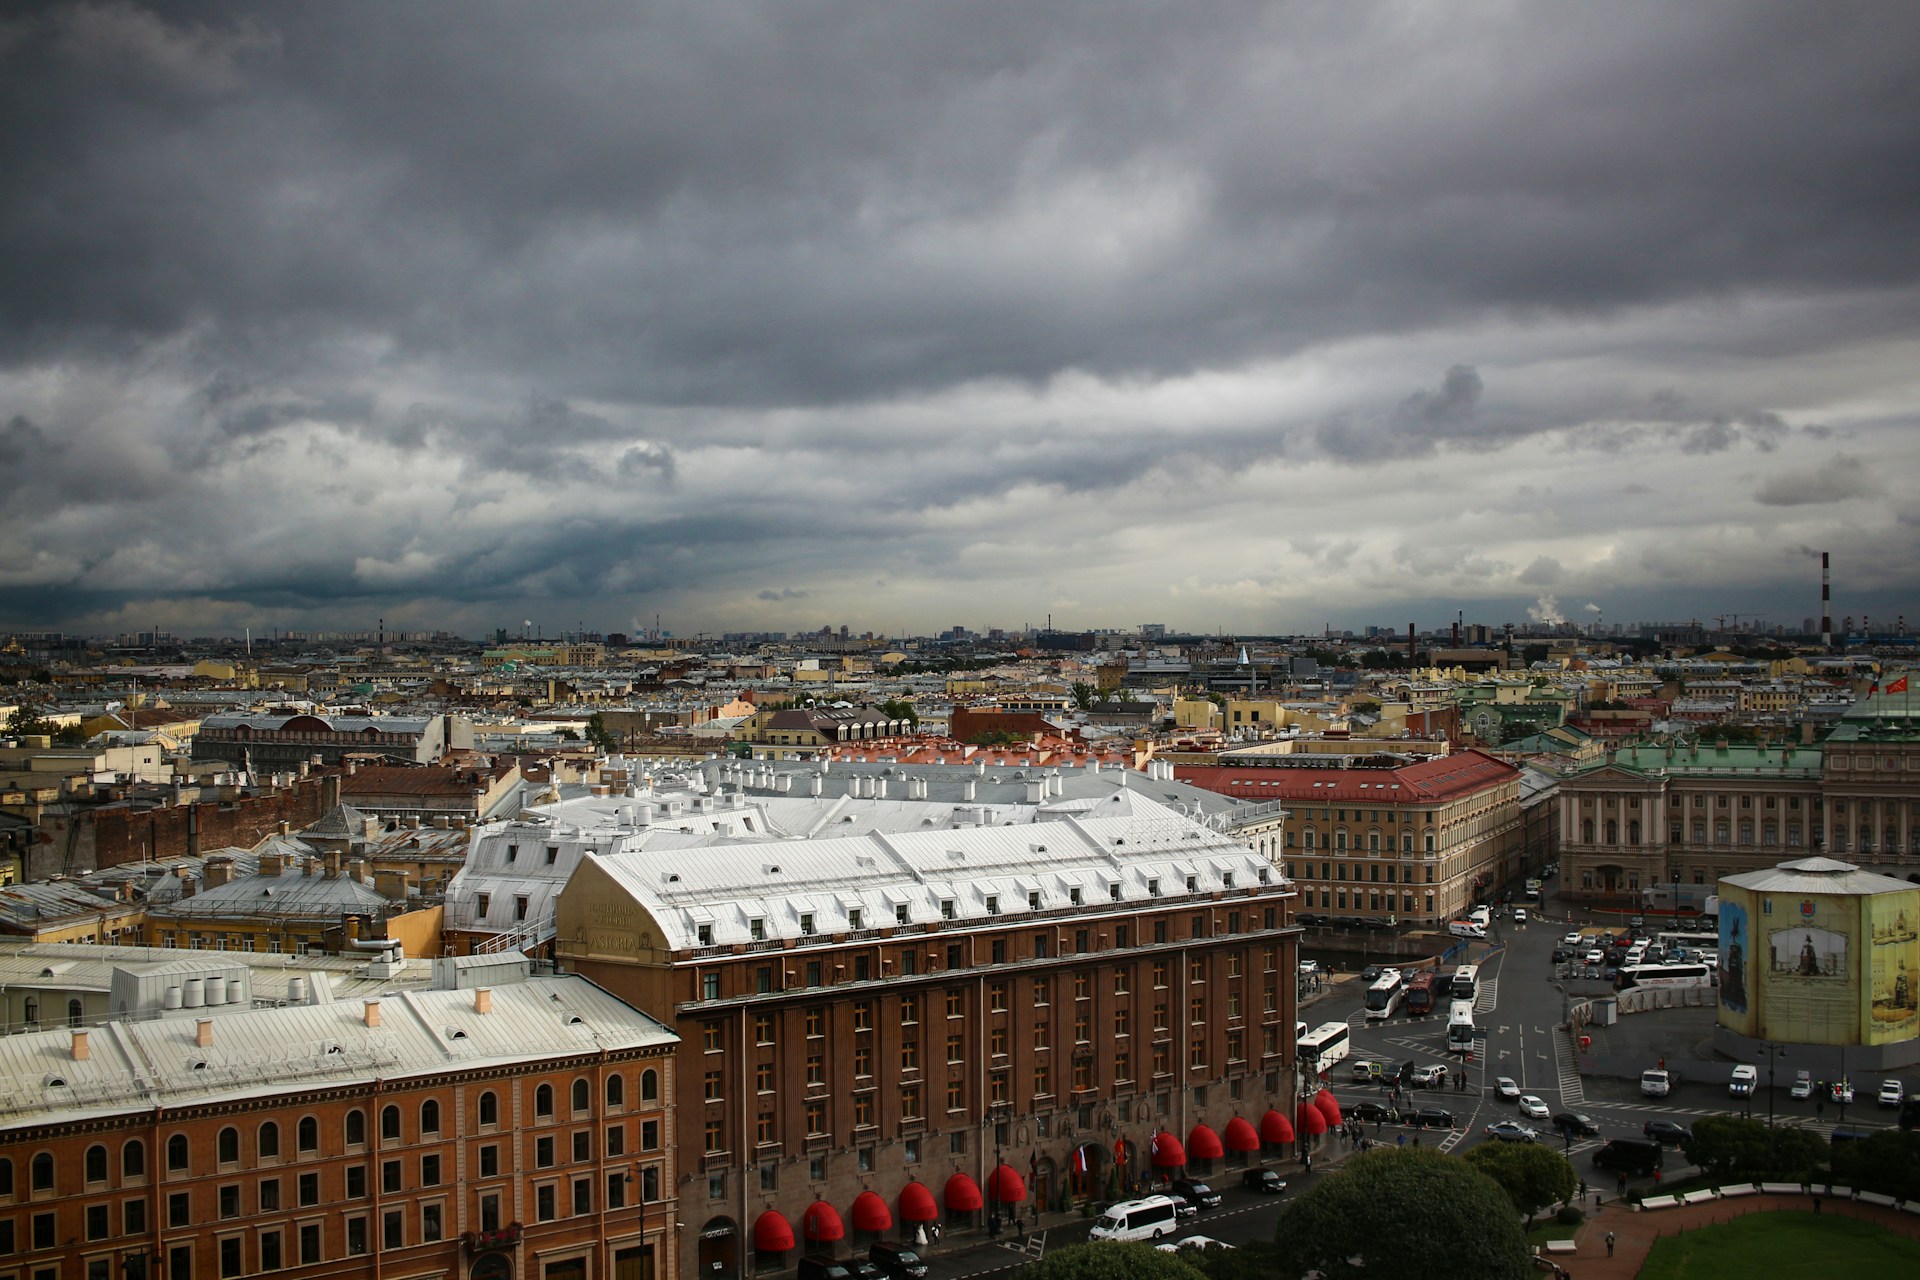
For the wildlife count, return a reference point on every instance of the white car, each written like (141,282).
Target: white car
(1505,1089)
(1892,1093)
(1199,1244)
(1533,1108)
(1519,915)
(1745,1076)
(1655,1083)
(1596,958)
(1802,1085)
(1573,939)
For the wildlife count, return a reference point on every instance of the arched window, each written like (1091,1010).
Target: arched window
(543,1100)
(43,1172)
(74,1013)
(649,1086)
(96,1163)
(616,1090)
(1613,831)
(1586,830)
(582,1095)
(390,1124)
(430,1116)
(489,1108)
(178,1158)
(229,1143)
(269,1141)
(32,1008)
(356,1128)
(309,1135)
(133,1160)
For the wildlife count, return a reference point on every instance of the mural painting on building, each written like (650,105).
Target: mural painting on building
(1894,1009)
(1810,989)
(1733,956)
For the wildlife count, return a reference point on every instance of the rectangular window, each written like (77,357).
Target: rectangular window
(269,1195)
(309,1189)
(546,1205)
(393,1229)
(133,1220)
(179,1209)
(582,1196)
(230,1200)
(430,1171)
(356,1236)
(490,1161)
(389,1177)
(98,1228)
(432,1223)
(309,1243)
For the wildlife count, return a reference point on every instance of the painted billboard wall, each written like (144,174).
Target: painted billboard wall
(1817,968)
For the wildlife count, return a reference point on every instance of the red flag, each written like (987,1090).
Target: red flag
(1898,686)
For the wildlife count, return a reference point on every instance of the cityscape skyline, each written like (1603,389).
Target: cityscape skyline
(1261,319)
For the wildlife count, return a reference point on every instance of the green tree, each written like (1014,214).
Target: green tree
(598,733)
(1366,707)
(1403,1212)
(1110,1260)
(28,722)
(1084,695)
(1888,1162)
(1533,1176)
(1729,1146)
(900,709)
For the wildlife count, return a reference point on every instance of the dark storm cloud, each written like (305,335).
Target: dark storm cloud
(469,270)
(1842,478)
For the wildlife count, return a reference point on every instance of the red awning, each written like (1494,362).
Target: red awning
(963,1193)
(1276,1128)
(1310,1120)
(772,1233)
(916,1203)
(1004,1186)
(1328,1106)
(1167,1152)
(870,1213)
(1241,1136)
(821,1223)
(1204,1143)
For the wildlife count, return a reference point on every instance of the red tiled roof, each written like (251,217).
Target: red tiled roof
(1430,782)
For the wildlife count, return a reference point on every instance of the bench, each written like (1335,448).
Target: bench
(1562,1246)
(1783,1188)
(1700,1197)
(1739,1189)
(1875,1197)
(1659,1202)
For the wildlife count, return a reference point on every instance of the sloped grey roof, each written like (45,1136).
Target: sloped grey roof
(342,822)
(1817,875)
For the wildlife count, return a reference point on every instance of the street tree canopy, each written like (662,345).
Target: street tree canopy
(1533,1176)
(1403,1213)
(1111,1260)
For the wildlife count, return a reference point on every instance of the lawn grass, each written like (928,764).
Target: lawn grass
(1547,1229)
(1785,1245)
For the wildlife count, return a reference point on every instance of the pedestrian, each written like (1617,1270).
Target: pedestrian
(933,1232)
(1656,1177)
(993,1225)
(1816,1204)
(1621,1188)
(1609,1244)
(1307,1160)
(1583,1188)
(1400,1139)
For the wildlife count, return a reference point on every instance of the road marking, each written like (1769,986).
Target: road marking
(1572,1090)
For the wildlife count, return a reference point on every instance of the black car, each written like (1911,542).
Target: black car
(817,1266)
(1370,1112)
(1433,1118)
(1666,1131)
(1263,1180)
(1629,1155)
(1308,917)
(897,1261)
(1197,1194)
(1562,954)
(1574,1123)
(1370,974)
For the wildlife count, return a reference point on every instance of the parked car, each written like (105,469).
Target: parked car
(1433,1118)
(1573,939)
(897,1261)
(1628,1155)
(1892,1093)
(1366,1071)
(1433,1076)
(1655,1083)
(815,1266)
(1265,1181)
(1594,958)
(1197,1194)
(1512,1131)
(1532,1107)
(1802,1085)
(1192,1244)
(1666,1131)
(1745,1076)
(1370,974)
(1841,1091)
(1519,915)
(1572,1122)
(1371,1112)
(1308,966)
(1506,1090)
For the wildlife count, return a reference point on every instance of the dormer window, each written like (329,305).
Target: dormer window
(946,908)
(806,922)
(1073,895)
(1226,879)
(704,933)
(513,852)
(993,904)
(1113,891)
(1153,888)
(854,918)
(900,913)
(1033,901)
(757,929)
(553,854)
(1193,884)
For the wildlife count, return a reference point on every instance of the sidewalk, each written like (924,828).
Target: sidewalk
(1634,1232)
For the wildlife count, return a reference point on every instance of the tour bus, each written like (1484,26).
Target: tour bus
(1325,1045)
(1384,996)
(1663,975)
(1460,1028)
(1466,982)
(1420,994)
(1144,1219)
(1690,941)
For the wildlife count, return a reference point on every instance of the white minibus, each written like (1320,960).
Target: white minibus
(1145,1219)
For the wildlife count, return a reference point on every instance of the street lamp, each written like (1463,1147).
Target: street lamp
(1774,1053)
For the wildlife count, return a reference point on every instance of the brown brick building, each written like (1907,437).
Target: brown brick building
(516,1130)
(875,1023)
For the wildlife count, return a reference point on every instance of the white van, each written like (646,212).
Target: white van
(1655,1084)
(1145,1219)
(1466,929)
(1481,915)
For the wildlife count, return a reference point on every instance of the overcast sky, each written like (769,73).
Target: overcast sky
(1251,318)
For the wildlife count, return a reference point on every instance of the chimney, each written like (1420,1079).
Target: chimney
(357,870)
(483,1000)
(1826,601)
(271,865)
(391,885)
(333,864)
(286,828)
(219,871)
(373,1013)
(306,866)
(80,1050)
(187,884)
(203,1033)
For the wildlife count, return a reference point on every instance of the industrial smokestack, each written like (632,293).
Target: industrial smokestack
(1826,600)
(1459,619)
